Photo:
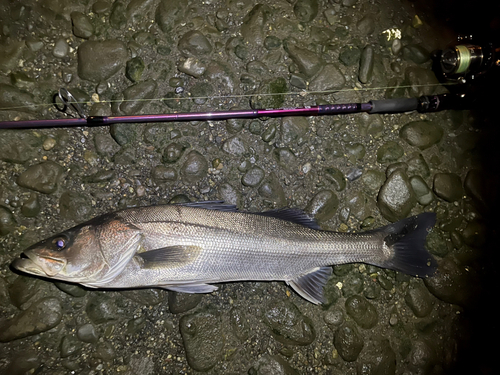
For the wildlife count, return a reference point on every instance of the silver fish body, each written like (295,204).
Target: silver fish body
(188,247)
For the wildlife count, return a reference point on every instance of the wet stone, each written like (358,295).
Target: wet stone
(134,69)
(117,17)
(366,25)
(203,340)
(448,186)
(105,145)
(329,78)
(75,206)
(173,152)
(366,64)
(160,173)
(82,27)
(69,345)
(373,180)
(16,146)
(11,97)
(194,43)
(396,197)
(349,55)
(272,365)
(195,167)
(416,53)
(378,358)
(271,42)
(421,134)
(87,333)
(234,146)
(306,10)
(323,205)
(105,351)
(43,177)
(272,191)
(41,316)
(253,177)
(182,302)
(100,309)
(61,49)
(193,67)
(293,129)
(72,289)
(307,61)
(423,193)
(135,98)
(334,317)
(269,133)
(287,324)
(355,151)
(418,166)
(389,152)
(419,300)
(336,177)
(7,221)
(348,342)
(361,311)
(98,61)
(253,26)
(229,194)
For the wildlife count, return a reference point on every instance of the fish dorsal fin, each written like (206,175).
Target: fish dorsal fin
(293,215)
(191,288)
(211,205)
(175,256)
(310,286)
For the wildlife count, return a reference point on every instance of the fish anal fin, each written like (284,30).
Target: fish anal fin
(310,286)
(191,288)
(171,256)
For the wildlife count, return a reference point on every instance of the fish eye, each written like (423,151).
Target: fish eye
(60,243)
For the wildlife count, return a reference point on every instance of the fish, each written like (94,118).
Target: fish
(189,247)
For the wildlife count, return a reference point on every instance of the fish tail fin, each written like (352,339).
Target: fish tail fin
(404,246)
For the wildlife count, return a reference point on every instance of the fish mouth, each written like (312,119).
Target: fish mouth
(34,264)
(25,264)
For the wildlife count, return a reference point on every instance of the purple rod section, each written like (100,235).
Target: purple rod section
(194,116)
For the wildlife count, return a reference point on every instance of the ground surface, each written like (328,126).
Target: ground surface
(351,172)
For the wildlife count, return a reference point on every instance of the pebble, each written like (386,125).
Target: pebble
(421,134)
(195,167)
(423,193)
(234,146)
(193,67)
(419,300)
(329,78)
(253,177)
(31,206)
(271,365)
(7,221)
(396,197)
(194,43)
(135,98)
(75,206)
(253,27)
(173,153)
(418,166)
(69,345)
(448,186)
(366,64)
(43,177)
(134,69)
(348,342)
(293,129)
(323,205)
(361,311)
(41,316)
(416,53)
(306,10)
(336,177)
(82,27)
(61,48)
(100,309)
(105,145)
(161,173)
(98,61)
(203,340)
(389,152)
(182,302)
(349,55)
(373,180)
(11,97)
(307,61)
(287,324)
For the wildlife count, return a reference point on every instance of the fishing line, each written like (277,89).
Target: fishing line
(304,93)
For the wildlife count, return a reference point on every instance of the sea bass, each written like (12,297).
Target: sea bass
(188,247)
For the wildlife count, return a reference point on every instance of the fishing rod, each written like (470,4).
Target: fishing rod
(460,65)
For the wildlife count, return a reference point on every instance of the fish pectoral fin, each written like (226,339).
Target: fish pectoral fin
(310,286)
(191,288)
(173,256)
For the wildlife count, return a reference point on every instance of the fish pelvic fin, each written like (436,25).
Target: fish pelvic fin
(404,246)
(310,286)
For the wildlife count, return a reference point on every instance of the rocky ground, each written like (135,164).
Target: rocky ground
(352,172)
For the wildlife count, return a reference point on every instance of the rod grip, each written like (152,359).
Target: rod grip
(393,105)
